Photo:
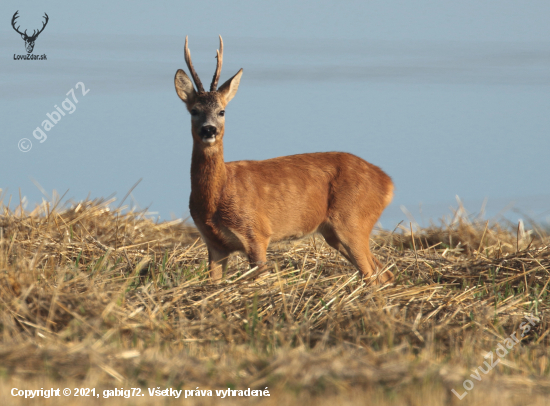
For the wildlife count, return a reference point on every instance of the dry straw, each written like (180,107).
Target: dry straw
(104,296)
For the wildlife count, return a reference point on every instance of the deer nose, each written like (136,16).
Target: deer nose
(208,130)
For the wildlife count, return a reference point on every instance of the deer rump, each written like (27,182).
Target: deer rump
(290,197)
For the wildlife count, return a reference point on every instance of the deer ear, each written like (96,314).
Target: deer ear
(184,87)
(229,89)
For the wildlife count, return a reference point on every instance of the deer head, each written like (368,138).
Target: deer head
(207,108)
(29,40)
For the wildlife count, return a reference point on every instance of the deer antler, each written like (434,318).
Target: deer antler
(15,16)
(219,56)
(192,69)
(34,33)
(43,26)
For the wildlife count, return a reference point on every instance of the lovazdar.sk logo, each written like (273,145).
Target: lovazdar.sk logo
(29,39)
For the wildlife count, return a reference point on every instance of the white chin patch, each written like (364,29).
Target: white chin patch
(209,140)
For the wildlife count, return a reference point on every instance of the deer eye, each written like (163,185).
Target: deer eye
(221,113)
(194,112)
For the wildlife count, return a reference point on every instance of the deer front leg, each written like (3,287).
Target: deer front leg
(217,263)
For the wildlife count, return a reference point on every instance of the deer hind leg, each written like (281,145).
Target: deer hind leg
(332,239)
(347,247)
(376,266)
(382,276)
(354,245)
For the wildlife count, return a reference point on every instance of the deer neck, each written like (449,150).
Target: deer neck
(208,178)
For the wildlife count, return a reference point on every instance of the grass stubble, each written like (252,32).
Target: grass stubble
(100,297)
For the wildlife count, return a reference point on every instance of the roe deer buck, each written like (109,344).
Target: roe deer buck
(245,205)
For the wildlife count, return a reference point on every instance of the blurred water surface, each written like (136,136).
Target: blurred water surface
(441,110)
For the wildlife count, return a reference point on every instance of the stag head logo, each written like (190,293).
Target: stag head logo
(29,39)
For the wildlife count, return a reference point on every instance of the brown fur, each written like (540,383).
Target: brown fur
(245,205)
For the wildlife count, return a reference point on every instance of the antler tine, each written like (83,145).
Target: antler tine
(219,56)
(44,24)
(15,16)
(192,69)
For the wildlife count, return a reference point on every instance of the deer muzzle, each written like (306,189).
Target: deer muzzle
(208,134)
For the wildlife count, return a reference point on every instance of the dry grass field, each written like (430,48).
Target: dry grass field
(92,296)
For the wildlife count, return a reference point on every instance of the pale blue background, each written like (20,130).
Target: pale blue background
(449,98)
